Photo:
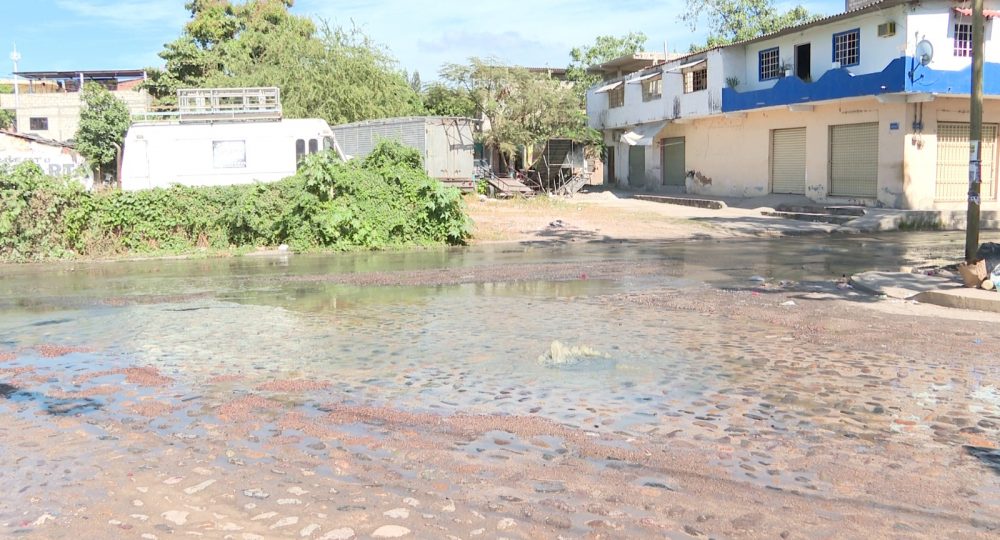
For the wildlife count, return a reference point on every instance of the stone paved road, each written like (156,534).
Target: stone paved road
(286,405)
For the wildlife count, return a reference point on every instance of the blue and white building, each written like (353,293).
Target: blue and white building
(870,106)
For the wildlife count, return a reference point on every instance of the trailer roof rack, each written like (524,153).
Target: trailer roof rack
(207,105)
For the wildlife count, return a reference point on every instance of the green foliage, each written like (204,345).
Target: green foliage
(6,88)
(7,119)
(326,72)
(482,187)
(441,100)
(384,201)
(604,49)
(104,120)
(521,108)
(730,21)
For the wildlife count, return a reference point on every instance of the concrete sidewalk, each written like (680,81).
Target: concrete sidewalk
(939,291)
(873,220)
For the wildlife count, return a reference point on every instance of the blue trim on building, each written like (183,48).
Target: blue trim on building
(834,84)
(833,46)
(760,64)
(926,79)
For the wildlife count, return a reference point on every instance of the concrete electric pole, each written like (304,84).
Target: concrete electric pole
(975,135)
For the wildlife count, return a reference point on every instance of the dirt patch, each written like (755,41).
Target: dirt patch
(142,376)
(56,351)
(151,408)
(102,390)
(293,385)
(220,379)
(7,357)
(246,408)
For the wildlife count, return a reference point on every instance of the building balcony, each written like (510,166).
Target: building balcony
(834,84)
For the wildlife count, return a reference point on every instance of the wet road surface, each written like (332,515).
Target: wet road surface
(412,395)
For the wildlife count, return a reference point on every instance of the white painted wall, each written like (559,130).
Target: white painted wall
(159,155)
(55,160)
(876,52)
(935,21)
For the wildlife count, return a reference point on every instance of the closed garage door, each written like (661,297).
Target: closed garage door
(854,160)
(788,161)
(953,161)
(637,166)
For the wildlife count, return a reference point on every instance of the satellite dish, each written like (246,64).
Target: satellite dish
(924,52)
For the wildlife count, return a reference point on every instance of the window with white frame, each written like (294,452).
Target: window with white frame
(769,66)
(695,80)
(847,48)
(652,88)
(963,39)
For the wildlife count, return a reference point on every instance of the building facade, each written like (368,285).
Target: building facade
(48,103)
(870,107)
(55,158)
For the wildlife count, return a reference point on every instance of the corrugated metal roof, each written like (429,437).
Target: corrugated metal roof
(402,120)
(878,5)
(35,138)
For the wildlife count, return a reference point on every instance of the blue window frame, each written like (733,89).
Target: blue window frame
(768,64)
(847,47)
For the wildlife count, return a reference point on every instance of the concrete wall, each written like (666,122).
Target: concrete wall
(935,21)
(63,110)
(921,152)
(875,52)
(730,157)
(54,160)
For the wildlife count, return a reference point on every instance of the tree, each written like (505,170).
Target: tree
(604,49)
(415,82)
(7,119)
(336,74)
(441,100)
(730,21)
(519,108)
(104,120)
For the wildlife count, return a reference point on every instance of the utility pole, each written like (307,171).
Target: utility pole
(975,135)
(16,57)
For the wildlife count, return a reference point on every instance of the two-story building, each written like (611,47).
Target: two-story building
(870,106)
(48,103)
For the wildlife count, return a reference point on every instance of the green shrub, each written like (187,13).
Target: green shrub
(385,200)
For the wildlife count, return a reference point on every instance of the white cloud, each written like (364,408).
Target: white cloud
(132,14)
(425,35)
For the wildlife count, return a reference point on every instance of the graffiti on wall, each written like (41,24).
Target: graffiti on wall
(53,159)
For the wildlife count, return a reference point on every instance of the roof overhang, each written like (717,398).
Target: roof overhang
(629,63)
(643,134)
(609,87)
(688,65)
(967,12)
(89,75)
(646,77)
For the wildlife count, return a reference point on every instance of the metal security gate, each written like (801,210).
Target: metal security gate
(672,160)
(854,160)
(952,184)
(637,166)
(788,161)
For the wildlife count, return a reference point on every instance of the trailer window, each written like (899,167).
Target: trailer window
(327,143)
(300,151)
(313,146)
(229,154)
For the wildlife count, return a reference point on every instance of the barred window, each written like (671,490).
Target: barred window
(616,97)
(769,66)
(847,48)
(652,88)
(963,39)
(695,81)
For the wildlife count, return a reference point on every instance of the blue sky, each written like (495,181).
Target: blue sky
(122,34)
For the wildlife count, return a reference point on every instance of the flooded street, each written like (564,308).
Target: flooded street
(724,390)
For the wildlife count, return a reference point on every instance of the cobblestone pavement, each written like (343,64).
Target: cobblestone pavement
(390,403)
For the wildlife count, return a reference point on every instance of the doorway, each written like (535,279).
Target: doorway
(803,62)
(637,166)
(674,172)
(609,166)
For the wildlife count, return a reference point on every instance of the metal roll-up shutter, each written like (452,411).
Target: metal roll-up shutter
(788,161)
(854,160)
(952,180)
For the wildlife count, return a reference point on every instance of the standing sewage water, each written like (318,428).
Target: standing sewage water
(637,390)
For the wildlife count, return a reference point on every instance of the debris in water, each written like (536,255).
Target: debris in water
(560,355)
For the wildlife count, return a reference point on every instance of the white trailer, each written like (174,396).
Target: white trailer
(220,153)
(220,137)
